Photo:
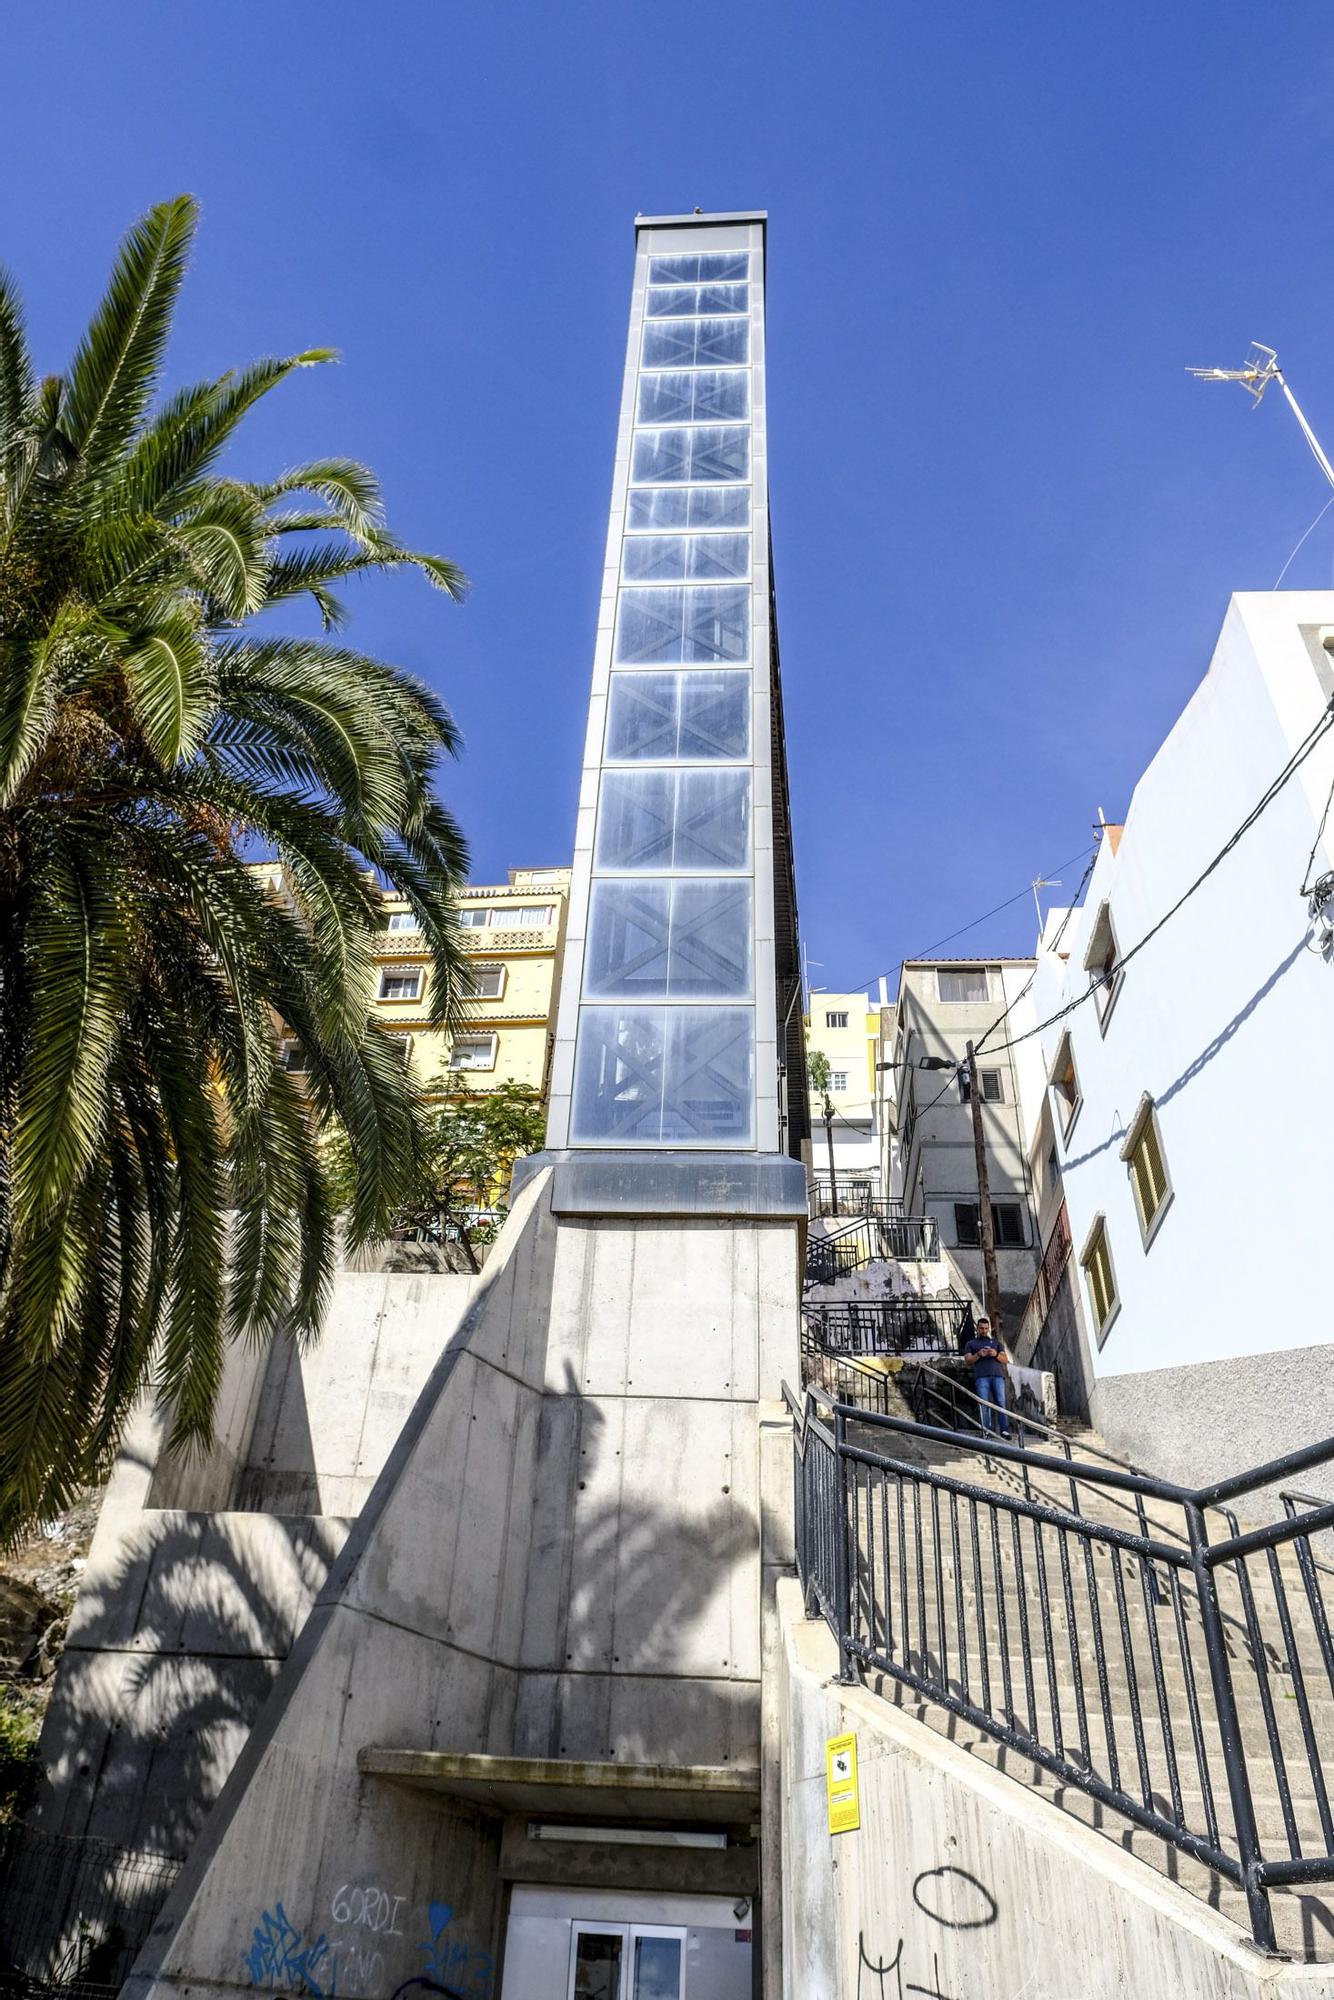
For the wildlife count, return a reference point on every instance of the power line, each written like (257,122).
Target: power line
(1071,907)
(1297,758)
(1018,897)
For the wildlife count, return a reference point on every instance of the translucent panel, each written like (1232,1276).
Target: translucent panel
(664,1076)
(698,301)
(657,821)
(691,716)
(706,269)
(668,625)
(676,457)
(695,343)
(681,507)
(673,940)
(695,558)
(691,396)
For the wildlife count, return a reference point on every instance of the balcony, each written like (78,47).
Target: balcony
(936,1325)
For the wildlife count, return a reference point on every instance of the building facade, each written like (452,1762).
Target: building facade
(944,1004)
(1191,1099)
(848,1030)
(513,935)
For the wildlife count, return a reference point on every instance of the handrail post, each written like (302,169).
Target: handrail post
(1229,1730)
(842,1568)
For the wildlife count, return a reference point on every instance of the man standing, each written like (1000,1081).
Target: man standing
(986,1357)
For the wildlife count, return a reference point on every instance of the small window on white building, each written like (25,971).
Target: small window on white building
(1143,1155)
(838,1079)
(473,1052)
(1101,962)
(1065,1086)
(1099,1276)
(485,982)
(403,920)
(961,985)
(993,1086)
(401,983)
(837,1019)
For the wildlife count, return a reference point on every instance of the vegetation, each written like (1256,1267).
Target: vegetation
(162,1191)
(20,1765)
(470,1142)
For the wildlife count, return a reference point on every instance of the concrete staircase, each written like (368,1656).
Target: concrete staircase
(967,1584)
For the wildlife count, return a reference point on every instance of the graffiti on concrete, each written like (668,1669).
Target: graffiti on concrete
(452,1961)
(954,1898)
(283,1958)
(948,1896)
(367,1908)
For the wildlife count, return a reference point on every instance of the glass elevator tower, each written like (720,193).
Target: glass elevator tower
(679,1022)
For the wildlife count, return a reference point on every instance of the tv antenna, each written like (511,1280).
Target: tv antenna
(1260,370)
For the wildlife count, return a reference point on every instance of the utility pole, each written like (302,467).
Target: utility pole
(985,1224)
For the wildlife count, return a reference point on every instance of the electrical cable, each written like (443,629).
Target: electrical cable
(1297,758)
(1307,884)
(1071,907)
(863,985)
(1310,531)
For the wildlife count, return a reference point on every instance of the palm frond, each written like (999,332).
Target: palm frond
(15,367)
(115,369)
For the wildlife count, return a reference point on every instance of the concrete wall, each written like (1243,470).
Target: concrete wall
(962,1882)
(567,1555)
(1223,1020)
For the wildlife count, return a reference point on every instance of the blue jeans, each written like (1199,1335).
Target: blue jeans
(990,1390)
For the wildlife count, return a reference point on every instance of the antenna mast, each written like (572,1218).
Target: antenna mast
(1260,370)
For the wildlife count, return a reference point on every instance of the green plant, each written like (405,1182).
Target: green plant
(20,1765)
(161,1189)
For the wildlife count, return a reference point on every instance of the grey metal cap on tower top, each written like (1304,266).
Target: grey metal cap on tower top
(701,221)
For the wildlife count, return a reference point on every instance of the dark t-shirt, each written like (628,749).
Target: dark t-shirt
(982,1357)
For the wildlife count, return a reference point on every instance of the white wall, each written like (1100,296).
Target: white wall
(1224,1019)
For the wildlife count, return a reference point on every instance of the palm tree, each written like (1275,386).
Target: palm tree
(161,1185)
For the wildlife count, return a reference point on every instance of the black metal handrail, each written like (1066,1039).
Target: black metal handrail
(853,1201)
(905,1324)
(905,1238)
(1108,1655)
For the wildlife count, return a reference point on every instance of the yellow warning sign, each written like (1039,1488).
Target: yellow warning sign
(845,1814)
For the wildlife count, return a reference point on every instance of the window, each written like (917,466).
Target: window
(709,267)
(656,822)
(838,1079)
(695,343)
(1096,1258)
(1065,1086)
(1100,962)
(993,1086)
(485,982)
(659,507)
(1007,1225)
(962,984)
(473,1052)
(694,396)
(689,558)
(694,717)
(839,1019)
(647,1075)
(1143,1154)
(293,1058)
(403,920)
(708,626)
(669,940)
(524,917)
(681,457)
(401,1046)
(696,301)
(403,983)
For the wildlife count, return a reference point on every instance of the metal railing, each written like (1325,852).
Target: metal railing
(902,1325)
(851,1195)
(907,1238)
(1182,1677)
(74,1913)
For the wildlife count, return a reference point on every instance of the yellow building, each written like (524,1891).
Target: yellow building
(514,935)
(846,1028)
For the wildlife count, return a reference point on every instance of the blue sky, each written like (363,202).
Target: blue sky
(1006,523)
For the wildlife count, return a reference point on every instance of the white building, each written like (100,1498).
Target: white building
(848,1029)
(1192,1093)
